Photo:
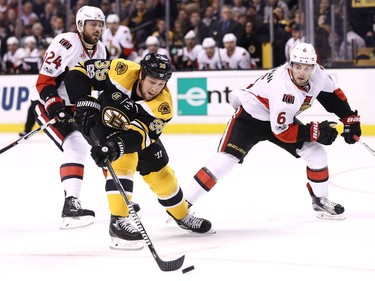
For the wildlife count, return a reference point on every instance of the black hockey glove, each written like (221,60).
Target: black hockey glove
(352,126)
(55,107)
(111,150)
(87,113)
(324,132)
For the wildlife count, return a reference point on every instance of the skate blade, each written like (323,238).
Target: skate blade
(121,244)
(326,216)
(76,222)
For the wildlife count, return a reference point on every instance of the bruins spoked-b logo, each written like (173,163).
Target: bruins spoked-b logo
(114,118)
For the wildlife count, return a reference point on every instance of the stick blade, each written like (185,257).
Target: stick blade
(170,265)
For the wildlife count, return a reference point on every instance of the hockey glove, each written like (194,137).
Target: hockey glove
(352,126)
(324,132)
(87,113)
(111,150)
(55,108)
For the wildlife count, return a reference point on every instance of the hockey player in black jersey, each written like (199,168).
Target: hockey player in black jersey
(128,118)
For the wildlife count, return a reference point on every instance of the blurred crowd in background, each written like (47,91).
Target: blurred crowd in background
(203,34)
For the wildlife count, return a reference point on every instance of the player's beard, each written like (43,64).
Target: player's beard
(89,39)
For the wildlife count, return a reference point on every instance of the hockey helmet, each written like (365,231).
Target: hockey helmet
(88,13)
(303,53)
(156,66)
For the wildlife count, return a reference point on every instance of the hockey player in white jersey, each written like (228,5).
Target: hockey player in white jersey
(118,40)
(233,56)
(65,51)
(209,57)
(267,110)
(186,57)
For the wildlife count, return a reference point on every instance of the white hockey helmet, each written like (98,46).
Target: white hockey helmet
(229,37)
(88,13)
(303,53)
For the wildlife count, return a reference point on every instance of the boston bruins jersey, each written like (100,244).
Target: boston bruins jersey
(141,122)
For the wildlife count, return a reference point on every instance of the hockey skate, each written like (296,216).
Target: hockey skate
(326,209)
(124,234)
(73,216)
(194,224)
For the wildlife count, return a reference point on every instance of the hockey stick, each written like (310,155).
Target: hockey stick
(163,265)
(28,135)
(364,144)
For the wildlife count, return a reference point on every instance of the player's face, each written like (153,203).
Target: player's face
(151,87)
(301,72)
(210,52)
(230,46)
(92,31)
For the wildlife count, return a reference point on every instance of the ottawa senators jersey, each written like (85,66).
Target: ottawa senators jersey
(64,52)
(274,97)
(118,79)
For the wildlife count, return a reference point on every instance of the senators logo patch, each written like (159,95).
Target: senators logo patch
(121,68)
(65,43)
(164,108)
(289,99)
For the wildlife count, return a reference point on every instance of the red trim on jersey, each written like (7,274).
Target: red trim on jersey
(228,130)
(71,170)
(46,118)
(264,101)
(44,81)
(317,175)
(340,94)
(290,135)
(205,179)
(127,51)
(94,49)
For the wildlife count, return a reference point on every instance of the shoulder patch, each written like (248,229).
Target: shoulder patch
(116,96)
(164,108)
(121,68)
(65,43)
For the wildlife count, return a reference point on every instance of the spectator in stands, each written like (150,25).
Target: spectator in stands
(253,43)
(118,40)
(200,29)
(105,6)
(142,22)
(153,46)
(353,43)
(186,58)
(239,6)
(227,25)
(270,8)
(28,17)
(46,18)
(294,40)
(58,25)
(161,33)
(323,32)
(209,57)
(233,56)
(209,17)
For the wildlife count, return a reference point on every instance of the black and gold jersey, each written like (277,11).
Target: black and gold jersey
(121,108)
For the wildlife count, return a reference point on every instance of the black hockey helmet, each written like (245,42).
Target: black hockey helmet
(156,66)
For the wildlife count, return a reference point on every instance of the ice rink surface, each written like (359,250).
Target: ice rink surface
(266,228)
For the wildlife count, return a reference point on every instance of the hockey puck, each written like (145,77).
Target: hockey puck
(187,269)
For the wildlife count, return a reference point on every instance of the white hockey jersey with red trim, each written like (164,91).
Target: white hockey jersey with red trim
(274,97)
(64,52)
